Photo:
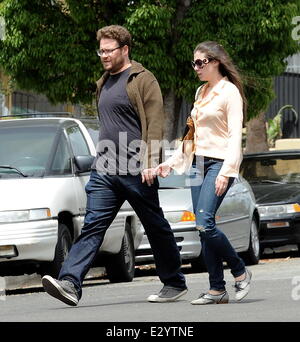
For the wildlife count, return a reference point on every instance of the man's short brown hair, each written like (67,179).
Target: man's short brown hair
(119,33)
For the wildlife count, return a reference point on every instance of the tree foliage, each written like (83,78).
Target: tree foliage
(256,34)
(50,45)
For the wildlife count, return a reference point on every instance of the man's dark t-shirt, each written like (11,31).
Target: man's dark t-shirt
(120,129)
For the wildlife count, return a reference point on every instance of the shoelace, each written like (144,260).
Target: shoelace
(68,285)
(238,285)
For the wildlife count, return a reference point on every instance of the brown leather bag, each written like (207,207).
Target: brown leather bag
(190,133)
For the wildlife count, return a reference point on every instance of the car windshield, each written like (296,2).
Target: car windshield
(25,150)
(270,169)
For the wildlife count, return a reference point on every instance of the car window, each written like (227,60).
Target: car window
(272,169)
(26,148)
(62,159)
(78,143)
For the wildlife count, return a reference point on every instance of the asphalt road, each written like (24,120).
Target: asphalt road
(274,297)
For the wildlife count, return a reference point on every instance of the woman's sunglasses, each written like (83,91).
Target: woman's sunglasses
(201,62)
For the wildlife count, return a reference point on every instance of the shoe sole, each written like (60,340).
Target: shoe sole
(195,302)
(201,301)
(56,291)
(157,299)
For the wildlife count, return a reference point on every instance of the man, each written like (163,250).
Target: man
(130,109)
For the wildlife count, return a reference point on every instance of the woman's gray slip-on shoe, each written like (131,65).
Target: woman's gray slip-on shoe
(207,298)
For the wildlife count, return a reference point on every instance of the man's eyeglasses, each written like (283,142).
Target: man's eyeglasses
(200,63)
(106,52)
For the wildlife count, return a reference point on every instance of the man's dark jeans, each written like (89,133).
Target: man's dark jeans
(105,196)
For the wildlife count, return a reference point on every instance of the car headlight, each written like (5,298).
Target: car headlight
(180,216)
(278,210)
(24,215)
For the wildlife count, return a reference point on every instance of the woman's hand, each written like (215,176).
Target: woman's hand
(221,185)
(163,170)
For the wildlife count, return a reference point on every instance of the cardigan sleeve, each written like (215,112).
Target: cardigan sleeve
(233,156)
(181,161)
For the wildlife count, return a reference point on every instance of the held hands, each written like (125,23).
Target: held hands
(163,170)
(221,185)
(148,175)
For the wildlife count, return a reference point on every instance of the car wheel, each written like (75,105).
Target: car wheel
(120,267)
(252,255)
(64,243)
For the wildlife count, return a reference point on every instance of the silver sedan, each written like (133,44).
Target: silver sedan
(237,217)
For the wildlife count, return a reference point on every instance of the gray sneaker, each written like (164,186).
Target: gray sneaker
(242,287)
(167,294)
(207,298)
(62,290)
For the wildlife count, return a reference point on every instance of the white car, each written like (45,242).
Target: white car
(44,167)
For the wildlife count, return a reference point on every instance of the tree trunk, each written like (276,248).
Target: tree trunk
(170,119)
(171,103)
(256,140)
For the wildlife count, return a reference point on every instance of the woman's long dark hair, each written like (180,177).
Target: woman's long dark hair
(226,67)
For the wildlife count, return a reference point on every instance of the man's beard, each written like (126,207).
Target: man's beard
(112,68)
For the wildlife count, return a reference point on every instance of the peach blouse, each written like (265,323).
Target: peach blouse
(218,120)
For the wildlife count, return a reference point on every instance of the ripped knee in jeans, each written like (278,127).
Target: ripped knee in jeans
(200,228)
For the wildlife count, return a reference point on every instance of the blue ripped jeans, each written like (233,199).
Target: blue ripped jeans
(215,245)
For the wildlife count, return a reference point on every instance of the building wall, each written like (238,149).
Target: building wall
(293,64)
(26,102)
(287,90)
(5,97)
(20,101)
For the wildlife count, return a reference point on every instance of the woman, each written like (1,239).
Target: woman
(215,155)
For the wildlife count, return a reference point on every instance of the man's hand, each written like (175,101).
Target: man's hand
(148,176)
(163,170)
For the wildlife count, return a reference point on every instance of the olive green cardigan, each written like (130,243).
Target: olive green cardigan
(145,95)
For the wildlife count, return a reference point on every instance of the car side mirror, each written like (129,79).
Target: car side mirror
(83,163)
